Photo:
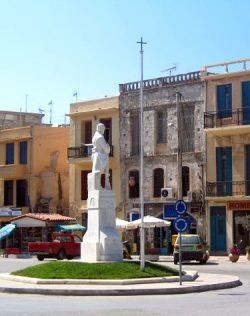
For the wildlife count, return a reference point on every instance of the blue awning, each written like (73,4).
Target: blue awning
(7,230)
(68,228)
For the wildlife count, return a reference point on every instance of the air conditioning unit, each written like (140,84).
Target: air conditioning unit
(167,193)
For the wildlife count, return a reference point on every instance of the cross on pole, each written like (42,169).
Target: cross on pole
(142,237)
(142,43)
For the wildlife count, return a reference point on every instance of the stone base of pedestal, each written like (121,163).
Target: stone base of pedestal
(102,241)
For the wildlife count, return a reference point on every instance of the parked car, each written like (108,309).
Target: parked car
(192,248)
(64,245)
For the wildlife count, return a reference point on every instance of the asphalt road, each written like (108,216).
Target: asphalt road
(224,302)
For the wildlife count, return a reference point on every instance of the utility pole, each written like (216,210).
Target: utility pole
(179,153)
(50,112)
(142,239)
(179,166)
(26,102)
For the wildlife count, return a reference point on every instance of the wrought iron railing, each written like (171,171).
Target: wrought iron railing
(227,188)
(227,117)
(84,151)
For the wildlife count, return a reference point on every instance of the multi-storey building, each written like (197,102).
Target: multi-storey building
(34,169)
(11,119)
(161,146)
(84,116)
(227,126)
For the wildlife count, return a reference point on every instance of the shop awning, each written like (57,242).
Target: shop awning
(68,228)
(7,230)
(148,221)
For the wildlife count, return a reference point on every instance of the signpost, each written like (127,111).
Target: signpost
(180,224)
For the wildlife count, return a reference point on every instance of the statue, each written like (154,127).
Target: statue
(100,157)
(101,241)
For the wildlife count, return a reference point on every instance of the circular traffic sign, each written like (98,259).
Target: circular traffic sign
(180,207)
(180,224)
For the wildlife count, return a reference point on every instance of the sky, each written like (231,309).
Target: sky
(51,49)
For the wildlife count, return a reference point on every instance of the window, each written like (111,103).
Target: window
(84,184)
(103,179)
(245,87)
(85,220)
(23,146)
(21,193)
(133,184)
(185,180)
(108,129)
(8,192)
(158,181)
(187,140)
(10,154)
(161,127)
(135,139)
(224,170)
(247,164)
(87,132)
(224,101)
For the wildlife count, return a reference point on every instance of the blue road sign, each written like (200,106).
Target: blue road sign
(180,207)
(180,224)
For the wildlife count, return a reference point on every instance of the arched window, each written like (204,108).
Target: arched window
(158,181)
(185,180)
(133,184)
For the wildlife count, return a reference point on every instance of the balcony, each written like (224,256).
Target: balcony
(225,118)
(227,188)
(228,122)
(84,151)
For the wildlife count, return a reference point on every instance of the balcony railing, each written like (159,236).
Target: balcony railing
(159,82)
(225,118)
(84,151)
(227,188)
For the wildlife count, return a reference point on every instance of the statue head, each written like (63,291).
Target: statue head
(100,128)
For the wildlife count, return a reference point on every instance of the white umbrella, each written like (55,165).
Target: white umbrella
(148,221)
(120,223)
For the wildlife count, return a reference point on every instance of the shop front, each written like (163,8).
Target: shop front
(241,223)
(6,215)
(35,227)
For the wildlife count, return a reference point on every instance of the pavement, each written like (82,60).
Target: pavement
(192,282)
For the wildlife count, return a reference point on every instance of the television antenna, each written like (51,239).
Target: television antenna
(169,70)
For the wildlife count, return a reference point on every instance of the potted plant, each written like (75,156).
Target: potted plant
(234,253)
(248,252)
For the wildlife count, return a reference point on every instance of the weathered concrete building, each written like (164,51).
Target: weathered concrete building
(11,119)
(160,150)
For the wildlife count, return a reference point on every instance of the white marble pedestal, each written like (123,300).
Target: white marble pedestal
(101,242)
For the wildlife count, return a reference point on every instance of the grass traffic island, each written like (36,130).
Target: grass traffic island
(104,271)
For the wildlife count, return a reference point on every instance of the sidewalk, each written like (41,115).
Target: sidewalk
(190,284)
